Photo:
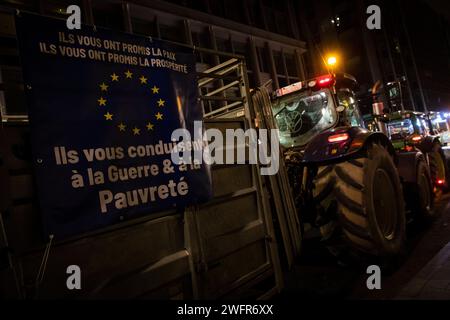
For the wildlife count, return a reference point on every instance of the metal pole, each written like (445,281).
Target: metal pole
(273,71)
(391,62)
(127,17)
(254,62)
(408,83)
(413,60)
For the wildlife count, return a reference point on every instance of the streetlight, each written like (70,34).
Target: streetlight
(331,63)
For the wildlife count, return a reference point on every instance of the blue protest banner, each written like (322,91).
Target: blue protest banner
(102,108)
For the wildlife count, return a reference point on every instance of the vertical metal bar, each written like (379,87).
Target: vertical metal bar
(285,69)
(193,246)
(188,32)
(273,70)
(370,51)
(264,212)
(230,40)
(245,92)
(158,30)
(88,13)
(126,17)
(216,61)
(4,242)
(299,64)
(213,43)
(263,15)
(388,49)
(254,62)
(392,65)
(405,70)
(292,21)
(313,52)
(413,59)
(247,12)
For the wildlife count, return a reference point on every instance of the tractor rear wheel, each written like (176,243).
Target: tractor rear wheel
(370,203)
(421,196)
(438,167)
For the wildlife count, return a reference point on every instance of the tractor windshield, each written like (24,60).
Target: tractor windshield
(301,116)
(400,129)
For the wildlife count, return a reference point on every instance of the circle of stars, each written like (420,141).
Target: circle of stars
(102,102)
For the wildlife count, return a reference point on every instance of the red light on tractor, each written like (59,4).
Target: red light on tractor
(338,137)
(440,182)
(325,80)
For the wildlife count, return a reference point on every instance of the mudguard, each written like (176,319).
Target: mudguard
(320,151)
(407,164)
(427,144)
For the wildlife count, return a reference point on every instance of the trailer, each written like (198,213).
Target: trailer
(235,246)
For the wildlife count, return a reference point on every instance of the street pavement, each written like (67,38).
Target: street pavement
(433,280)
(423,272)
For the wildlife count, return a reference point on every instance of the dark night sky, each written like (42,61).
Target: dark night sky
(441,6)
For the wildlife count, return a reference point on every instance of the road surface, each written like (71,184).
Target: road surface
(318,274)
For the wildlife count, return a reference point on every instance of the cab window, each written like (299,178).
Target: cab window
(425,127)
(347,99)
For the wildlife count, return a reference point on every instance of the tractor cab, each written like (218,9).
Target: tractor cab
(439,122)
(410,131)
(407,129)
(304,109)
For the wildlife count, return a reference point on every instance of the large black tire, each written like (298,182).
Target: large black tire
(420,196)
(323,183)
(370,203)
(323,196)
(438,166)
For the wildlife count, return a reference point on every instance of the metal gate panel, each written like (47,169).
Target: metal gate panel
(234,231)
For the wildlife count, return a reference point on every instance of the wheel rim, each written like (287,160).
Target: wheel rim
(384,204)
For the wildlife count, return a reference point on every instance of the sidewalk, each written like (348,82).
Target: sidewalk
(433,281)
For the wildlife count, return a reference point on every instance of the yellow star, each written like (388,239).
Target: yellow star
(136,131)
(122,127)
(160,102)
(108,116)
(159,116)
(150,126)
(128,74)
(104,86)
(101,101)
(143,79)
(114,77)
(155,89)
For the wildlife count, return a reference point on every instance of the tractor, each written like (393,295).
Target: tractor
(439,123)
(347,180)
(410,130)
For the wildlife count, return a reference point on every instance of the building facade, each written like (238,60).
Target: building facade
(411,48)
(267,33)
